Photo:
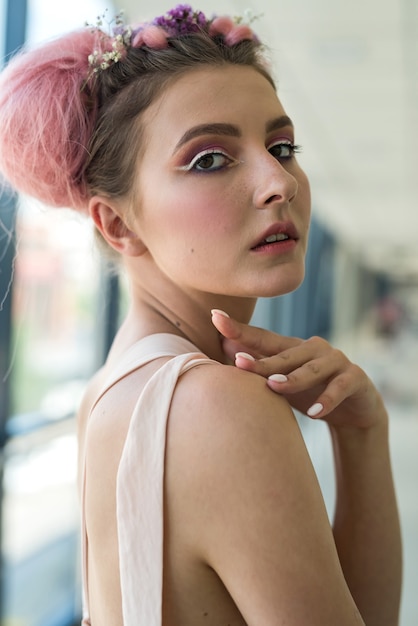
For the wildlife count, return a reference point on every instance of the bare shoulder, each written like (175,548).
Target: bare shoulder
(224,423)
(242,491)
(220,406)
(219,384)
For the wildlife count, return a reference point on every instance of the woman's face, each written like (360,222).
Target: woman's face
(223,206)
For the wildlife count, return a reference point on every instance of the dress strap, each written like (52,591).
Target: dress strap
(144,351)
(140,496)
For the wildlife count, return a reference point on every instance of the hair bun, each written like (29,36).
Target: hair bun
(46,120)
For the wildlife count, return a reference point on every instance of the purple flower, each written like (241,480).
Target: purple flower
(181,20)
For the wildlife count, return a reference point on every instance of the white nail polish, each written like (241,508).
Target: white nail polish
(278,378)
(315,409)
(219,312)
(245,355)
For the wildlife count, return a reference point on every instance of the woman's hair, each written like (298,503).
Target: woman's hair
(70,110)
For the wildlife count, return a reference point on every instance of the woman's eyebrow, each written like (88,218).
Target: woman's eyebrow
(278,122)
(208,129)
(229,130)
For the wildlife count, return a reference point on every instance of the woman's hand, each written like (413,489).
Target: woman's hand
(314,377)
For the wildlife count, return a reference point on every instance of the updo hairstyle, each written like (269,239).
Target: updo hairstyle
(68,132)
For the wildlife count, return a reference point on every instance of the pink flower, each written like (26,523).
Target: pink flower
(238,33)
(152,36)
(221,26)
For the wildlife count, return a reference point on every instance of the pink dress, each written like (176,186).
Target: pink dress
(140,479)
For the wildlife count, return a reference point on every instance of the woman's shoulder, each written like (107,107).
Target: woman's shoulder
(242,495)
(223,418)
(226,393)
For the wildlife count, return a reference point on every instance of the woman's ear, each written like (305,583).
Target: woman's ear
(108,220)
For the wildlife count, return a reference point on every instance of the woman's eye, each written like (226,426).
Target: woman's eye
(284,150)
(209,161)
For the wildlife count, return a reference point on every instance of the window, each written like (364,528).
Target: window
(51,291)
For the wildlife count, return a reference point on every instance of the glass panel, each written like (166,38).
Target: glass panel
(40,529)
(2,30)
(56,291)
(55,296)
(54,302)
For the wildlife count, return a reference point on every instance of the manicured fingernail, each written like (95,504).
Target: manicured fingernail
(219,312)
(245,355)
(278,378)
(315,409)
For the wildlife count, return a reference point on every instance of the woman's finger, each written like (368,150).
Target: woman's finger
(345,399)
(330,393)
(257,341)
(314,356)
(311,373)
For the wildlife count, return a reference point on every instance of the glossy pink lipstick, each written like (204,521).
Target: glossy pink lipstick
(278,238)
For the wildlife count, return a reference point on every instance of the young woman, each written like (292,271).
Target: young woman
(200,505)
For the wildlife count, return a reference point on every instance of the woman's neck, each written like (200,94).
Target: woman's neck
(169,309)
(186,318)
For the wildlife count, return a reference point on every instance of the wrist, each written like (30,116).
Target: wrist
(374,427)
(353,439)
(360,417)
(361,454)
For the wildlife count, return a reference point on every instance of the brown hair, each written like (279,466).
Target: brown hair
(127,89)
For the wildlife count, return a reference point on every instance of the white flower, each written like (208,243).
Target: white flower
(249,17)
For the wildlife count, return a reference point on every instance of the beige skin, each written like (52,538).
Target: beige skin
(247,538)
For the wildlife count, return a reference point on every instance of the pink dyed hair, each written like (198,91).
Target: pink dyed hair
(46,120)
(67,132)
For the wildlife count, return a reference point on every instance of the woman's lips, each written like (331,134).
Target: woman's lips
(280,234)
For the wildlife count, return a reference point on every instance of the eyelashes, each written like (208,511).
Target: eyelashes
(284,150)
(215,159)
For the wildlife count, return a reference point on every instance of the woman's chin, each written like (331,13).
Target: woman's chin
(281,289)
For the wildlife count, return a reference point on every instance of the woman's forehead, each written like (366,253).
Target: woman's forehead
(233,95)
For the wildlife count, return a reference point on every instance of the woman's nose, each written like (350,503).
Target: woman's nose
(274,183)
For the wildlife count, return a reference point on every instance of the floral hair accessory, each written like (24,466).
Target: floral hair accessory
(180,21)
(116,42)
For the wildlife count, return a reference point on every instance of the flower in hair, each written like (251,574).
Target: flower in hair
(116,42)
(231,31)
(182,20)
(151,36)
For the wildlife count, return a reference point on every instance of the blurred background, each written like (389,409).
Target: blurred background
(348,76)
